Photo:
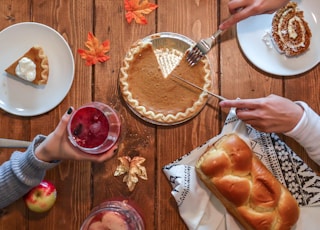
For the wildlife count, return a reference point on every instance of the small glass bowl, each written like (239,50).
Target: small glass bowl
(110,214)
(94,128)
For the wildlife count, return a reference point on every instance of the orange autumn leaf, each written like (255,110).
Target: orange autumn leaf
(137,8)
(96,52)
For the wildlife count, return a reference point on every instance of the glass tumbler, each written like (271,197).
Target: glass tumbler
(119,215)
(94,128)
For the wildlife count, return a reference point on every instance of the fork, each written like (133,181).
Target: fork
(202,48)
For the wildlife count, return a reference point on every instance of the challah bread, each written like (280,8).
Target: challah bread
(245,186)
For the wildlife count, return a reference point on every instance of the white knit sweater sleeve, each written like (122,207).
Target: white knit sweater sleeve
(307,132)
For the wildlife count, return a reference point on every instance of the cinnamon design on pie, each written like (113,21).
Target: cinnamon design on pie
(150,90)
(33,66)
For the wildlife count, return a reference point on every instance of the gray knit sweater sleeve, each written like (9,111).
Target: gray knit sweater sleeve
(21,173)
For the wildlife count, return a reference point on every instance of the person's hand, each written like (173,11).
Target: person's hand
(58,147)
(242,9)
(269,114)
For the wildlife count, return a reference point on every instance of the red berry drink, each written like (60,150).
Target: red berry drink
(94,128)
(113,215)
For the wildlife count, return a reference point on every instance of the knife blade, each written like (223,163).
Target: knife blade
(10,143)
(208,92)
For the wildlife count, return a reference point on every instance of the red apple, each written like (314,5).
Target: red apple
(42,197)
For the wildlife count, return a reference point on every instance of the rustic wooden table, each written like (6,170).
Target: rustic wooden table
(83,185)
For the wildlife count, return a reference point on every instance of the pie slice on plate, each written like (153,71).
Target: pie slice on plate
(33,66)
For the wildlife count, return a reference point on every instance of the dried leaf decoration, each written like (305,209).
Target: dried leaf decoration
(132,169)
(96,52)
(137,8)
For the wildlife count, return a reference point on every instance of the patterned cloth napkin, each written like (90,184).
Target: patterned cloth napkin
(201,210)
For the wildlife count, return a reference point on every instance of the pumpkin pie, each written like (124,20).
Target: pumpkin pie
(153,93)
(33,66)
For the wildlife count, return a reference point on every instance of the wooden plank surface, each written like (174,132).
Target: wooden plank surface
(14,127)
(195,19)
(83,185)
(72,19)
(138,139)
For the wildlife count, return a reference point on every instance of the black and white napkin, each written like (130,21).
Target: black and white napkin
(201,210)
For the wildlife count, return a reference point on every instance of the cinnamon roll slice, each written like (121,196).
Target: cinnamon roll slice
(290,32)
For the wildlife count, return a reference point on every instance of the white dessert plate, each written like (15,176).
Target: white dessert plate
(252,33)
(22,98)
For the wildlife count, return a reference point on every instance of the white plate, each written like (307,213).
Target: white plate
(23,98)
(250,34)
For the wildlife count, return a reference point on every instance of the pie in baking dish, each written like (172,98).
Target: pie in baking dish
(33,66)
(150,90)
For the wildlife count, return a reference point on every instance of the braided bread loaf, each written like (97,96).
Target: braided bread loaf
(245,186)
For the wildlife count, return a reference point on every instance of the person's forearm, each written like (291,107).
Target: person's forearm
(307,132)
(21,173)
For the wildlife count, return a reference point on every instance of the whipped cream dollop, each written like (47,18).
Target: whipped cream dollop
(26,69)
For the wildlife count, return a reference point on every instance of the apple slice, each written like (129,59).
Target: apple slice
(114,221)
(98,225)
(111,221)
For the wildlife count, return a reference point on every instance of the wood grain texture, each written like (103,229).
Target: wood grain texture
(195,19)
(83,185)
(14,216)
